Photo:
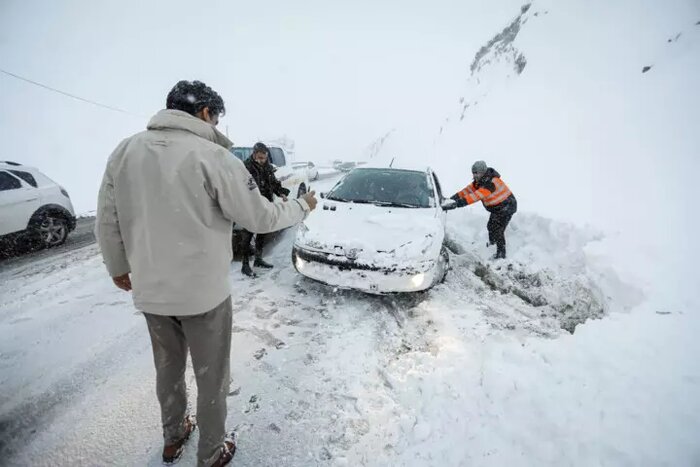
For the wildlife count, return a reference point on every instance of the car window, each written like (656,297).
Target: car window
(8,182)
(242,153)
(277,157)
(26,176)
(406,188)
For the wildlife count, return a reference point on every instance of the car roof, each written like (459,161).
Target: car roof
(11,165)
(424,169)
(269,146)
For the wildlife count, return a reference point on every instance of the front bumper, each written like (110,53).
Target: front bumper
(369,279)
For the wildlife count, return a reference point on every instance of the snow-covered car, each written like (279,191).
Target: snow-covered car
(309,167)
(378,230)
(296,181)
(33,207)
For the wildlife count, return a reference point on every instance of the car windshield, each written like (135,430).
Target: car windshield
(384,187)
(242,153)
(276,155)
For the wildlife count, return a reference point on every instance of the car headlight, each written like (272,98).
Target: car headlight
(300,263)
(418,279)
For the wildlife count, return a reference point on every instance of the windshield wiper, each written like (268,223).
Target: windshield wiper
(392,204)
(335,198)
(345,200)
(376,203)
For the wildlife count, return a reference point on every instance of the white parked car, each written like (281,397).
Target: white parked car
(33,207)
(296,181)
(378,230)
(309,167)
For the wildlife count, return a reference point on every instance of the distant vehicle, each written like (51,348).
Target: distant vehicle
(309,167)
(378,230)
(296,181)
(33,207)
(346,166)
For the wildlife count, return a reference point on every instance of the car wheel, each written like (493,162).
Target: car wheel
(51,230)
(302,190)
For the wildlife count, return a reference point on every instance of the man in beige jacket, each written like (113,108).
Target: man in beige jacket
(164,219)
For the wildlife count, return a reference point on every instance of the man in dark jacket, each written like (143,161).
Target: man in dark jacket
(497,198)
(263,172)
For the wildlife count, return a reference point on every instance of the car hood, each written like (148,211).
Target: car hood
(369,234)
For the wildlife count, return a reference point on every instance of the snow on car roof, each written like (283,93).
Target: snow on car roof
(414,168)
(6,164)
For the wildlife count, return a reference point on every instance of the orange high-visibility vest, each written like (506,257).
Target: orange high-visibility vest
(489,198)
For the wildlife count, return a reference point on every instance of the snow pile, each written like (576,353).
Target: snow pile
(549,276)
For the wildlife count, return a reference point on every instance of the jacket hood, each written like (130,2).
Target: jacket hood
(489,175)
(168,119)
(491,172)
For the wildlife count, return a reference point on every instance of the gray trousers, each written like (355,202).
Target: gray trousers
(208,337)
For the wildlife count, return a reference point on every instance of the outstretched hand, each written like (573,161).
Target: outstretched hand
(123,282)
(310,199)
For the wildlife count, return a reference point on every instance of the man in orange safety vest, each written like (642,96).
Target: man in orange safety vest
(496,197)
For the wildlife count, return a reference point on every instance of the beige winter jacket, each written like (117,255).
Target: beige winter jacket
(165,212)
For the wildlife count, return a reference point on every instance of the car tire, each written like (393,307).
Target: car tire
(51,230)
(302,190)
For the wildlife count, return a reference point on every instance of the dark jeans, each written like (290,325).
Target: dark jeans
(497,225)
(246,237)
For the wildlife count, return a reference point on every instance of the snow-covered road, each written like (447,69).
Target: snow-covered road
(478,371)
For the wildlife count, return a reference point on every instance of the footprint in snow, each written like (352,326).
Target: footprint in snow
(253,405)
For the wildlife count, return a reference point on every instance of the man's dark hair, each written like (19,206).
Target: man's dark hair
(193,96)
(260,147)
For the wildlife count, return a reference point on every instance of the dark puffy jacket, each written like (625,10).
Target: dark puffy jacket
(264,176)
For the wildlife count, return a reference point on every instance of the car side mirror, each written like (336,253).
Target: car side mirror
(448,205)
(322,195)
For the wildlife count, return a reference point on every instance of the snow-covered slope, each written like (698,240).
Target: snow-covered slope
(556,100)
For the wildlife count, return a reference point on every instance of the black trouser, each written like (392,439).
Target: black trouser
(500,217)
(246,237)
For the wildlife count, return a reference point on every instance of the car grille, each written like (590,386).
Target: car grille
(345,264)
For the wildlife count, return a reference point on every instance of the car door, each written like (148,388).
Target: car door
(289,178)
(18,201)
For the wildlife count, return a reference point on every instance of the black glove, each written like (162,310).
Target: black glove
(461,202)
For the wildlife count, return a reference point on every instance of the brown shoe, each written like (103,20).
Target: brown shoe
(173,452)
(227,451)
